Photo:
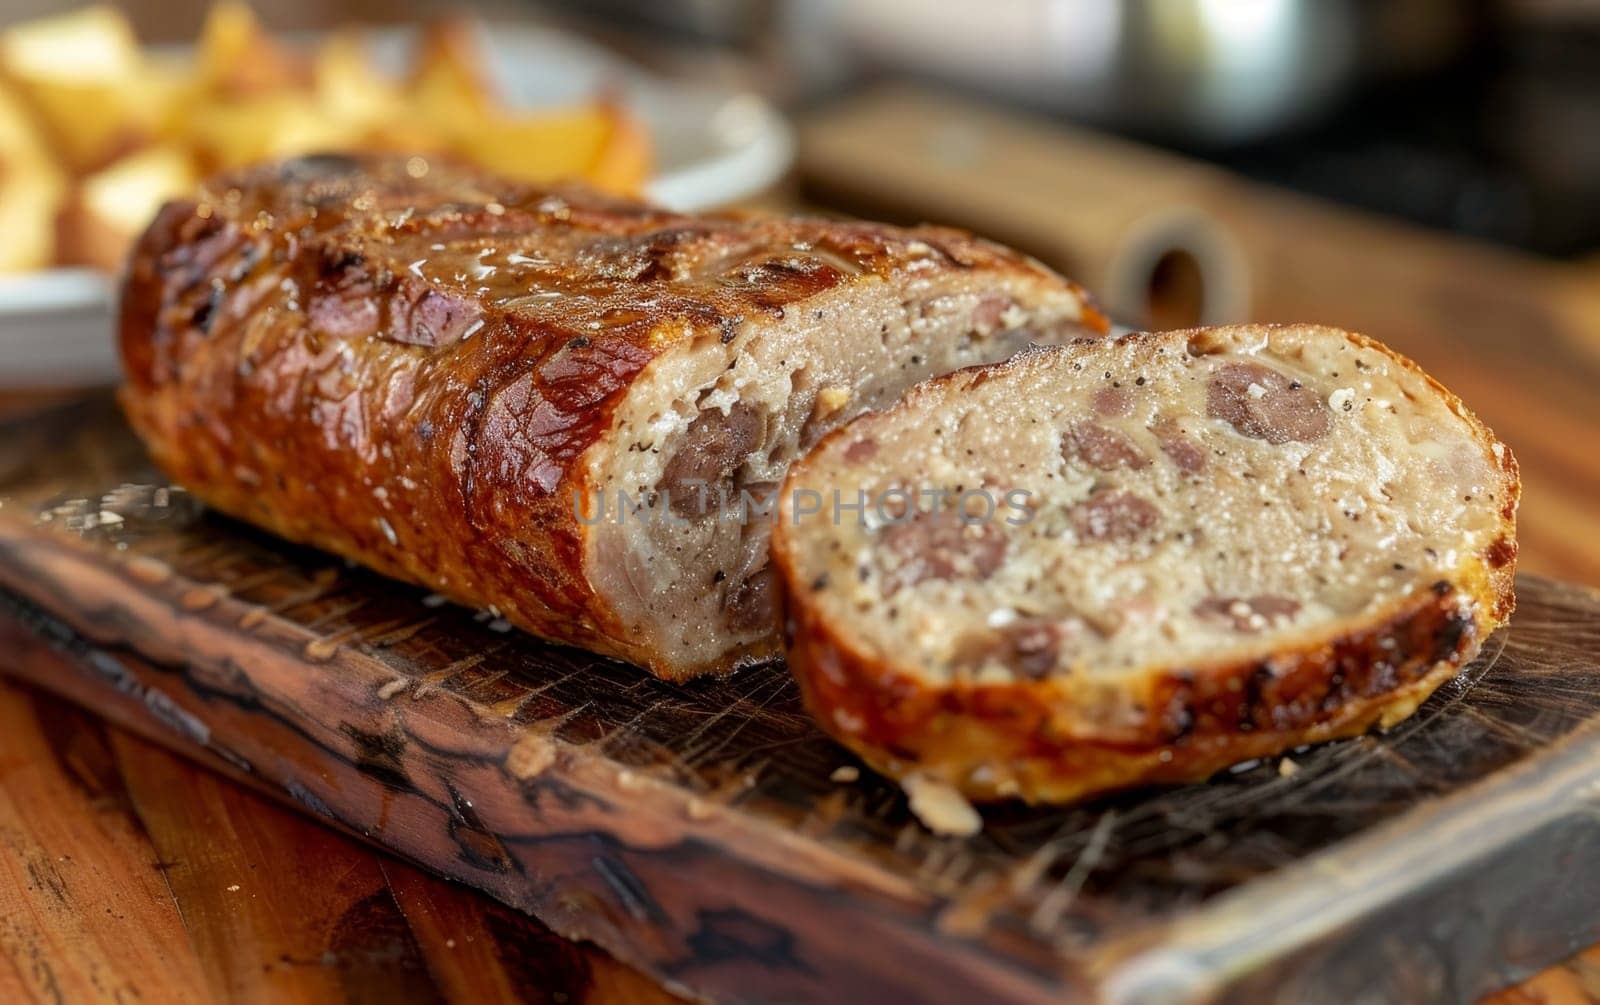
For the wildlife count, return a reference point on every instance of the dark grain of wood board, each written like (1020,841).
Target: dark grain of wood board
(695,831)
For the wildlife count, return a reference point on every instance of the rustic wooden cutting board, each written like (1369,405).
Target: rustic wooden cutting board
(700,832)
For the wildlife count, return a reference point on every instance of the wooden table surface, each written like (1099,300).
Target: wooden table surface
(130,874)
(127,874)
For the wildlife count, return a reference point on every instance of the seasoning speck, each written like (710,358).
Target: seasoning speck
(940,807)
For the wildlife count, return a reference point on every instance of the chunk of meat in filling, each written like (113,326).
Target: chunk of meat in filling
(938,545)
(1250,614)
(709,452)
(753,603)
(863,449)
(1180,450)
(1102,447)
(1114,515)
(1264,404)
(1113,402)
(827,412)
(1030,648)
(990,312)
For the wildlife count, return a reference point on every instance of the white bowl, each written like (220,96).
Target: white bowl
(713,146)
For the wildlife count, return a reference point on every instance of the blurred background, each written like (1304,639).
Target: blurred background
(1426,171)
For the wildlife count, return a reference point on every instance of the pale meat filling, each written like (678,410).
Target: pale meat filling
(1184,502)
(693,574)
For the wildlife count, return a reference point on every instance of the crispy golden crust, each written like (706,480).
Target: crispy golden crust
(1053,740)
(408,367)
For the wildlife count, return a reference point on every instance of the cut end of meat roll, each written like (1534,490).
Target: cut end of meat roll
(1144,559)
(683,492)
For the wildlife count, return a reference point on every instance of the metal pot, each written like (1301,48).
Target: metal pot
(1198,71)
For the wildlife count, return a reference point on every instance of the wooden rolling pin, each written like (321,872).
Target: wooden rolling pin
(1167,241)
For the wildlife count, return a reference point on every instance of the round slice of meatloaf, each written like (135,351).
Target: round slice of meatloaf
(1143,559)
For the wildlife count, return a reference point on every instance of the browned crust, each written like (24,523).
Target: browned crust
(1041,740)
(308,348)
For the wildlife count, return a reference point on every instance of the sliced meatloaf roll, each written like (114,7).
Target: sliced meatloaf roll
(547,402)
(1142,559)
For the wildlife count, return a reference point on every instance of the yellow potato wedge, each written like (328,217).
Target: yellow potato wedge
(31,196)
(20,136)
(232,133)
(32,189)
(599,143)
(83,76)
(113,206)
(165,86)
(540,147)
(237,57)
(350,88)
(626,158)
(95,133)
(92,44)
(450,85)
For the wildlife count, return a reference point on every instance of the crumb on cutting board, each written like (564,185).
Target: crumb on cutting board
(940,807)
